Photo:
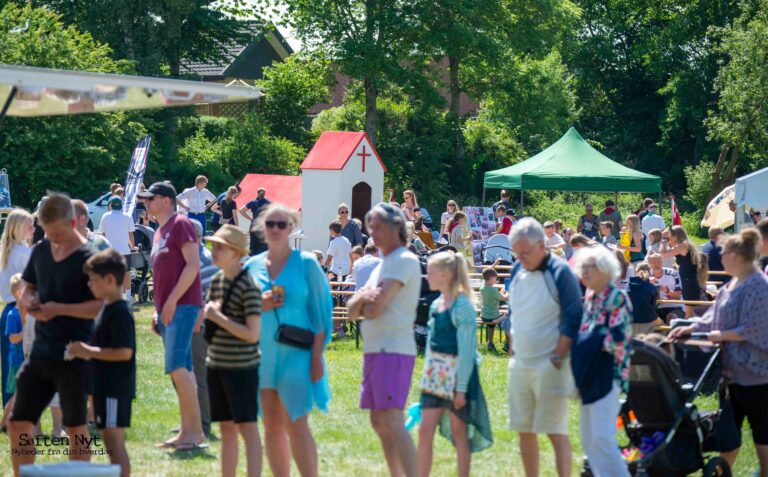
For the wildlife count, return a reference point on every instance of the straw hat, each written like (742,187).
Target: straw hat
(232,237)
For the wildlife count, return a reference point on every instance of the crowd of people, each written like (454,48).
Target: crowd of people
(245,325)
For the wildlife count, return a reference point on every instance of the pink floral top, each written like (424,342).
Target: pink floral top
(610,312)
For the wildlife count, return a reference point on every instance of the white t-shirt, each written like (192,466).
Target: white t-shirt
(17,262)
(196,199)
(116,226)
(339,249)
(670,280)
(649,223)
(392,331)
(555,240)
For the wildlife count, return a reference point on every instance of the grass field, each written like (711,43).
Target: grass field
(347,445)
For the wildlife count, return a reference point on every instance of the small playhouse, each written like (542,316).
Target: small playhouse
(342,167)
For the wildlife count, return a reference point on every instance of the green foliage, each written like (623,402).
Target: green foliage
(529,84)
(291,89)
(158,34)
(741,119)
(489,146)
(80,154)
(699,184)
(243,146)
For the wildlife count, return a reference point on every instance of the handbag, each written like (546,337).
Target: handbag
(210,326)
(293,336)
(439,377)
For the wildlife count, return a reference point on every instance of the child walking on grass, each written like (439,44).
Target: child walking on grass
(14,329)
(492,298)
(450,380)
(112,352)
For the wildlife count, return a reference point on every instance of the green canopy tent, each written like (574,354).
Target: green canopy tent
(571,164)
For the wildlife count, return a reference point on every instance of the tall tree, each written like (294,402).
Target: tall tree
(740,123)
(368,40)
(159,34)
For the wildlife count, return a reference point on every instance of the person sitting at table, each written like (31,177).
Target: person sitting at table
(737,322)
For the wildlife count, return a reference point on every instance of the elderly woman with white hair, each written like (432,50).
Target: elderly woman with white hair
(600,359)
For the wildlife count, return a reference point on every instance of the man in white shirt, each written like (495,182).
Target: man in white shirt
(118,229)
(337,258)
(194,200)
(388,302)
(651,221)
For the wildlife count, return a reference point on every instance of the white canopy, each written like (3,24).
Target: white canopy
(48,92)
(718,213)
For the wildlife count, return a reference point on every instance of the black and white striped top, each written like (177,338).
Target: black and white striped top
(225,350)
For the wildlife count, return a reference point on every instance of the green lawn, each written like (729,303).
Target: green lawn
(347,445)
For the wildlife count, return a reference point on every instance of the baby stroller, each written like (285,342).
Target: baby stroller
(662,422)
(140,266)
(497,248)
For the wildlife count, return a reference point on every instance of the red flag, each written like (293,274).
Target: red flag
(676,220)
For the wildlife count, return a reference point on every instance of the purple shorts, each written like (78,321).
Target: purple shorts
(386,381)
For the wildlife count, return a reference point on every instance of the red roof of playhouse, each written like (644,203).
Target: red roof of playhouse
(283,189)
(334,148)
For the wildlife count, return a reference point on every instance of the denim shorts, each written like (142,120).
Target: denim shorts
(177,338)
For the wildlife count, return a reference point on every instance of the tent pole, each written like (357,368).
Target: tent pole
(522,202)
(482,204)
(7,103)
(616,199)
(660,202)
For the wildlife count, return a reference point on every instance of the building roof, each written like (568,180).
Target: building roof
(282,189)
(244,60)
(334,148)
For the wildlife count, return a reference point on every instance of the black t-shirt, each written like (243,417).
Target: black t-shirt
(61,282)
(114,328)
(227,208)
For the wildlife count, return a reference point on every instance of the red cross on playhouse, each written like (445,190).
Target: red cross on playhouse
(363,155)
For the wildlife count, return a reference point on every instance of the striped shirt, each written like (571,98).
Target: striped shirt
(225,350)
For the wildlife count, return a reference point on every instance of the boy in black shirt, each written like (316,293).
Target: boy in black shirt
(57,295)
(112,353)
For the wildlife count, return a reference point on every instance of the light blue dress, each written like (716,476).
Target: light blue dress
(308,305)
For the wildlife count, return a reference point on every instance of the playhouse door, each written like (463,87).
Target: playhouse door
(361,201)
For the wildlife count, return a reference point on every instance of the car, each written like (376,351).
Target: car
(96,210)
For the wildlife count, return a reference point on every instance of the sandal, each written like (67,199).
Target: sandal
(191,446)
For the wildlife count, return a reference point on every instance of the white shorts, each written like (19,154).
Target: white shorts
(538,397)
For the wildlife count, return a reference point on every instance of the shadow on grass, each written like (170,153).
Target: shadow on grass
(191,454)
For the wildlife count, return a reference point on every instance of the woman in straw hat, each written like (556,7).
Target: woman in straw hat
(233,309)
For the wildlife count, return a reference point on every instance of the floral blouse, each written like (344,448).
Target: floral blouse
(610,312)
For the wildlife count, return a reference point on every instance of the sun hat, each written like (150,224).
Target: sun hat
(232,237)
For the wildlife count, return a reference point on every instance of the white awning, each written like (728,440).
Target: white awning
(48,92)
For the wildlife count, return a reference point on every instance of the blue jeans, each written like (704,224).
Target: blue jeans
(200,218)
(177,338)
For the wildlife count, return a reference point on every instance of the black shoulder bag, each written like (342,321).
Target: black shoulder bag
(294,336)
(210,326)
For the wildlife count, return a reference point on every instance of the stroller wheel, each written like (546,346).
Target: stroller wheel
(716,467)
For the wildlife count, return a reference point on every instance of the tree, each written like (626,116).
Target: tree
(159,34)
(292,88)
(59,152)
(368,40)
(740,123)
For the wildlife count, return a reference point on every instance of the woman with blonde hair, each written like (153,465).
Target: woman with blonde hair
(14,255)
(737,322)
(296,327)
(686,253)
(452,341)
(410,208)
(450,208)
(227,208)
(633,250)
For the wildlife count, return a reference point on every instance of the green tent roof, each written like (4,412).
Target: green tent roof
(571,164)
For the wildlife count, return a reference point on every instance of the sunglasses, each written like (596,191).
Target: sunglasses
(344,212)
(451,205)
(280,224)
